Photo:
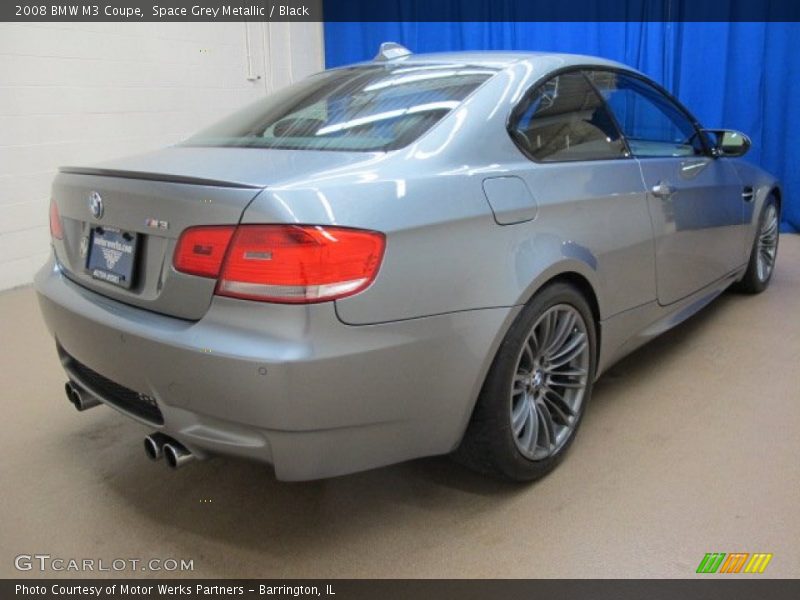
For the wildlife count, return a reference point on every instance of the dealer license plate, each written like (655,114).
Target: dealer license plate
(112,255)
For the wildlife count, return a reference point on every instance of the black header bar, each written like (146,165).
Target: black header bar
(400,10)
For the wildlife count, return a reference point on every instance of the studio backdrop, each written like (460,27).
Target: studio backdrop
(737,75)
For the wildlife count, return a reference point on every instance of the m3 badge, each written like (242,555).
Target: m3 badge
(156,224)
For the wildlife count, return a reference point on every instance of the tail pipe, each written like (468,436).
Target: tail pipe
(176,454)
(79,398)
(154,445)
(158,445)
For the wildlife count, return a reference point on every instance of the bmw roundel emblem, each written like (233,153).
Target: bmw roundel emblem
(96,205)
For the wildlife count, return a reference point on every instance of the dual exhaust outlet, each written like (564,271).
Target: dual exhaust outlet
(156,445)
(79,398)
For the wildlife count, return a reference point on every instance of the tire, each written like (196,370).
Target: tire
(495,443)
(756,279)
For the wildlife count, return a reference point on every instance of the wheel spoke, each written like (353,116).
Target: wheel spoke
(546,426)
(545,335)
(566,377)
(577,385)
(533,342)
(773,221)
(571,349)
(568,372)
(534,426)
(529,352)
(559,408)
(564,327)
(520,416)
(531,431)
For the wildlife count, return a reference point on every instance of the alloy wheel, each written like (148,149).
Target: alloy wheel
(550,382)
(767,243)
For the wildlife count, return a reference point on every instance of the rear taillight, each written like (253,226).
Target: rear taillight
(299,264)
(283,263)
(55,222)
(200,250)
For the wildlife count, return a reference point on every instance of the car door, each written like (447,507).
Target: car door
(591,200)
(695,199)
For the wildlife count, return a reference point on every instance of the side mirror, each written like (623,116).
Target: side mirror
(728,142)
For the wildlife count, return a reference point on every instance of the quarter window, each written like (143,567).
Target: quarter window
(653,125)
(565,120)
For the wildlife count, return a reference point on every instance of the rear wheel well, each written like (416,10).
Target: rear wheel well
(491,442)
(777,193)
(579,281)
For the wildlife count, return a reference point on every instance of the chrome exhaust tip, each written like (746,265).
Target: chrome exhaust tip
(154,445)
(79,398)
(70,391)
(176,454)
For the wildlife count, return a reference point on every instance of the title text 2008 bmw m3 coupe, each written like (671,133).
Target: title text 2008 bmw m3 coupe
(413,256)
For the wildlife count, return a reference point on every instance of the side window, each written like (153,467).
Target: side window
(652,123)
(565,120)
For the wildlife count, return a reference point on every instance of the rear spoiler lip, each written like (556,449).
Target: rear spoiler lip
(165,177)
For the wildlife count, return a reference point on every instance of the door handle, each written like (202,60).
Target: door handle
(662,190)
(689,166)
(748,194)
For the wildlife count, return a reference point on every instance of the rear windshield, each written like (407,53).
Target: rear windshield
(358,109)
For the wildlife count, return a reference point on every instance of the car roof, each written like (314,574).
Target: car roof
(540,63)
(501,59)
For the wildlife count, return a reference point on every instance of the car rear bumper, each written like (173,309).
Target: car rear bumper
(286,384)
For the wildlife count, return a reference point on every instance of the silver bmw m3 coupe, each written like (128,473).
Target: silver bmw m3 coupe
(419,255)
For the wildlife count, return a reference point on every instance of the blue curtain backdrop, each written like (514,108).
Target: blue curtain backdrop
(739,75)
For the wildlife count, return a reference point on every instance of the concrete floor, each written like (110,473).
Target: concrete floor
(691,445)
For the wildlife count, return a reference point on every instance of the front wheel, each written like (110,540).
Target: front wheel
(764,252)
(537,388)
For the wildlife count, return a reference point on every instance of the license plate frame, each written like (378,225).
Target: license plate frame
(112,255)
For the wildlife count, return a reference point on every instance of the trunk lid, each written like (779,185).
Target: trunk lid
(154,197)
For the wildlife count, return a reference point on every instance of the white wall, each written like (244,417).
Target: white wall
(73,94)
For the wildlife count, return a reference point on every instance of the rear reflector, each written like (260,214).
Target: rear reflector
(200,250)
(55,222)
(295,264)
